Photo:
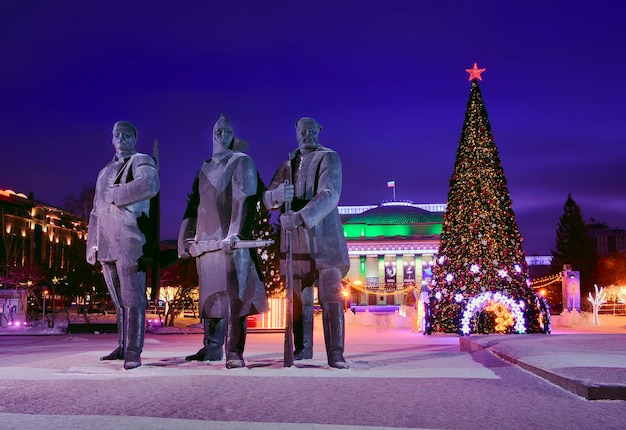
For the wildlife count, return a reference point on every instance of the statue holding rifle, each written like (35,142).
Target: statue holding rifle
(311,181)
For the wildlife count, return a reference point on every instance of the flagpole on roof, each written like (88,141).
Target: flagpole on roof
(392,184)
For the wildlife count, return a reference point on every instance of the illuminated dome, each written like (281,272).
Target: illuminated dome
(394,213)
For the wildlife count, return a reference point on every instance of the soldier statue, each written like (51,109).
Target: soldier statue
(216,224)
(311,181)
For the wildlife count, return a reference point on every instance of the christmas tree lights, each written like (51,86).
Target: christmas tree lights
(481,283)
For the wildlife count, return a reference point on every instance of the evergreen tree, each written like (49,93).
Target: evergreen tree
(268,258)
(480,281)
(574,246)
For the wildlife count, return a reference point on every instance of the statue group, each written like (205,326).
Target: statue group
(216,231)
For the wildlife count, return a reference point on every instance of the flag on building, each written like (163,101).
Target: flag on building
(391,184)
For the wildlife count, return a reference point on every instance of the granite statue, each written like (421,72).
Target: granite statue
(116,237)
(216,232)
(311,181)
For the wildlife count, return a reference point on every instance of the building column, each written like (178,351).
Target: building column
(372,278)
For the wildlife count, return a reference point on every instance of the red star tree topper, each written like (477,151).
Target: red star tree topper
(475,72)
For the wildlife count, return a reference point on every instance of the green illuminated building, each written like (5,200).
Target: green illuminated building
(392,250)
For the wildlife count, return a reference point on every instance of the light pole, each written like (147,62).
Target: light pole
(43,315)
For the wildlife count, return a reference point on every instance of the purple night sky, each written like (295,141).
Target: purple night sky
(386,80)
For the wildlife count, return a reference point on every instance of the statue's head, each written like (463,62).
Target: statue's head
(222,135)
(307,133)
(124,138)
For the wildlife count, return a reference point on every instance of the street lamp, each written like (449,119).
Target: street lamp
(346,297)
(44,293)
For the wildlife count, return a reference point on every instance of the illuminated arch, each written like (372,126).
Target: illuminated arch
(478,303)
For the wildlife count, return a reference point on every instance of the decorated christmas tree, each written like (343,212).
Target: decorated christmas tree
(480,281)
(267,257)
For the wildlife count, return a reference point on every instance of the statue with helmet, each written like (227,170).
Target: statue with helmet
(216,231)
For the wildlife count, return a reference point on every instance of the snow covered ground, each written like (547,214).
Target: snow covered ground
(398,379)
(561,324)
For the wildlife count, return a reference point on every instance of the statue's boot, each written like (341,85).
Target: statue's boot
(235,342)
(118,353)
(135,324)
(213,341)
(303,333)
(334,334)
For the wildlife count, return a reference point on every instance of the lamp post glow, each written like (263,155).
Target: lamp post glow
(346,297)
(44,293)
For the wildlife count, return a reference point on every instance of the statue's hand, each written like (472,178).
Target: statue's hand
(109,195)
(92,254)
(228,244)
(185,251)
(290,220)
(283,193)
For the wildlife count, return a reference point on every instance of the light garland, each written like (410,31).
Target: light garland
(504,318)
(378,292)
(483,300)
(546,280)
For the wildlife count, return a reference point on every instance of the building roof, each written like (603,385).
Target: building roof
(396,212)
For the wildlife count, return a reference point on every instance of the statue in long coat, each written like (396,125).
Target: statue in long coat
(311,180)
(115,238)
(220,212)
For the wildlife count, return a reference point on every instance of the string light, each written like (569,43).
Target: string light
(481,301)
(546,280)
(379,292)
